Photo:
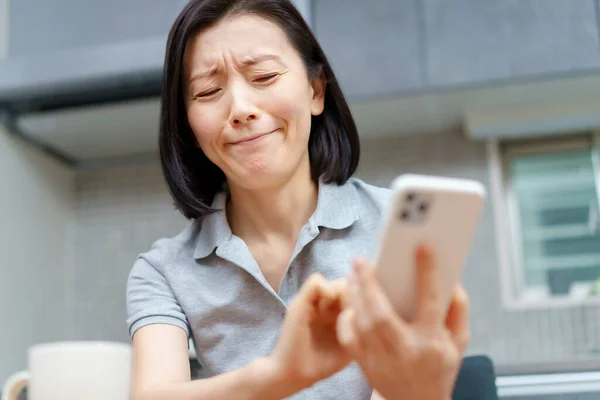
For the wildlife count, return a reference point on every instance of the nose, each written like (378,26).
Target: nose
(242,108)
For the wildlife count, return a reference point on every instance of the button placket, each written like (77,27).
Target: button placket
(286,291)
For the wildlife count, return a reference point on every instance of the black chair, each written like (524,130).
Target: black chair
(476,380)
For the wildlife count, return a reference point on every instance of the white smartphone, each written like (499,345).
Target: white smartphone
(440,212)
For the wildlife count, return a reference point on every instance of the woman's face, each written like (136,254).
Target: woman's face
(249,101)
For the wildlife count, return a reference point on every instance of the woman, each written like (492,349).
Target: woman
(257,146)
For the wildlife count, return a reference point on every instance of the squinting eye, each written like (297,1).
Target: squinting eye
(266,78)
(207,94)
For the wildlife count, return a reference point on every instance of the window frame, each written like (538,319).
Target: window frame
(507,229)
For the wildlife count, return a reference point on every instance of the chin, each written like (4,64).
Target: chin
(264,181)
(263,171)
(264,176)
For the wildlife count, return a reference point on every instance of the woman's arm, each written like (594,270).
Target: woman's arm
(307,351)
(161,367)
(161,371)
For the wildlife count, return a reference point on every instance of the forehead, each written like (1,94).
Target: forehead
(239,37)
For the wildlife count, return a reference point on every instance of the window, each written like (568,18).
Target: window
(552,220)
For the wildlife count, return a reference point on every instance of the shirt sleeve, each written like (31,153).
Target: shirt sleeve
(150,299)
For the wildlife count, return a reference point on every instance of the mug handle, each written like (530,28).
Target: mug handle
(14,385)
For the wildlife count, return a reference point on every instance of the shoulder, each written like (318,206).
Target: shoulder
(370,198)
(168,251)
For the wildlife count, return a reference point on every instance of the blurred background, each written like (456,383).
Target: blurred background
(503,91)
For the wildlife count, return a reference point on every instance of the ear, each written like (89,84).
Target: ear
(318,95)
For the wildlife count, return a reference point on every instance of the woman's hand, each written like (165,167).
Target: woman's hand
(417,360)
(308,349)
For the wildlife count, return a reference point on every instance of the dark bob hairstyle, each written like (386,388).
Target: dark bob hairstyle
(191,177)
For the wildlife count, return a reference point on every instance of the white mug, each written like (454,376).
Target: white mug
(74,371)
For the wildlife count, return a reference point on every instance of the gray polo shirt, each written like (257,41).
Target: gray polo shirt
(206,282)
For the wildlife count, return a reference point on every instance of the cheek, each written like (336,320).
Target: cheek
(204,126)
(292,109)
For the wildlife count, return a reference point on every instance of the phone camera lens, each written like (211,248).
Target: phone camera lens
(410,197)
(423,207)
(405,215)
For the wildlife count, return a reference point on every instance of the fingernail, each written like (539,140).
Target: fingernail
(353,278)
(344,328)
(344,335)
(422,252)
(359,267)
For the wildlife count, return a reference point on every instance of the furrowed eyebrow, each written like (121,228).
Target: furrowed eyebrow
(248,61)
(251,61)
(204,74)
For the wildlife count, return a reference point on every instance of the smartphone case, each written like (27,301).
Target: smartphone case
(438,211)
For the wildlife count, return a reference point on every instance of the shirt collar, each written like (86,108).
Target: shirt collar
(214,228)
(336,209)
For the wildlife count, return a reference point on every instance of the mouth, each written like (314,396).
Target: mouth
(253,139)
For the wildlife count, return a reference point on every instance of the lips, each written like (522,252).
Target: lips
(253,138)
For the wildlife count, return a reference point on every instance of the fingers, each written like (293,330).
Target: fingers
(430,310)
(312,290)
(457,320)
(321,298)
(340,289)
(334,297)
(329,304)
(375,318)
(347,335)
(355,296)
(309,296)
(358,346)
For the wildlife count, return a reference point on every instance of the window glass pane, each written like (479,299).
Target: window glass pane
(557,209)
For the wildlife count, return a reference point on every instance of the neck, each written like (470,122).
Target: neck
(277,211)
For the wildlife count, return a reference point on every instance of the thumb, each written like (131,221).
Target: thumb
(307,300)
(313,288)
(346,334)
(457,319)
